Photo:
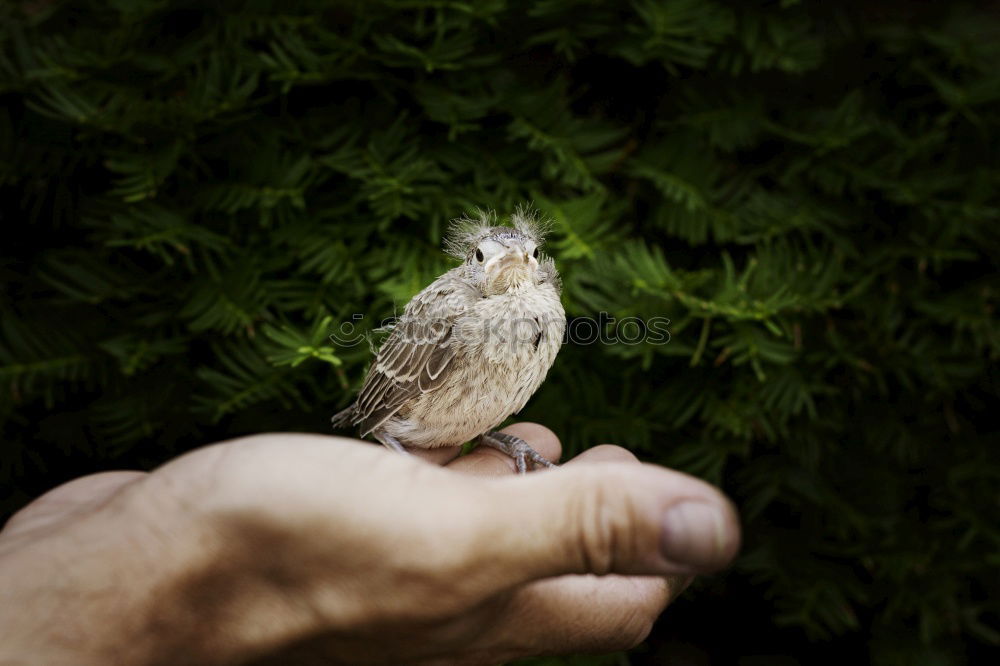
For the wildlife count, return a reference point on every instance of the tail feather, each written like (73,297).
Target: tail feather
(343,419)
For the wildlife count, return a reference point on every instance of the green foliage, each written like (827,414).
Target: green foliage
(197,195)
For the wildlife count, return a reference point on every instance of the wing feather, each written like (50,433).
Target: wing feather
(417,355)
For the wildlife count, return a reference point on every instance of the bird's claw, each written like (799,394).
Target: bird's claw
(518,449)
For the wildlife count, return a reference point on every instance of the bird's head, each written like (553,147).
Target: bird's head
(496,258)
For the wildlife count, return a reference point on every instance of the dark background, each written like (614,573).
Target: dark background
(195,195)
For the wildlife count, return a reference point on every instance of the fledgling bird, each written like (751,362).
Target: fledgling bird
(471,348)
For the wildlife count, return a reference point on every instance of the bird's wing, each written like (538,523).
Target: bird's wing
(417,355)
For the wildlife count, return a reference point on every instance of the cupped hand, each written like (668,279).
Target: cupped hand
(302,549)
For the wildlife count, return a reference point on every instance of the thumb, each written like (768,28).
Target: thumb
(607,518)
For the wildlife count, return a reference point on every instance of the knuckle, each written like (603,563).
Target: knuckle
(612,453)
(605,525)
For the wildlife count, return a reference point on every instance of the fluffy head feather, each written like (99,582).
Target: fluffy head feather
(465,233)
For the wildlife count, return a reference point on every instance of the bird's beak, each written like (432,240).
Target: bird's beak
(510,268)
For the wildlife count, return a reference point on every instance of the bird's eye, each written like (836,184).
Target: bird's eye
(535,253)
(479,255)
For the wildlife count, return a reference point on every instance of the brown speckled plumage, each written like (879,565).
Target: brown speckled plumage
(471,348)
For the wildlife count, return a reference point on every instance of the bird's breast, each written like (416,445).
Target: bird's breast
(512,329)
(505,347)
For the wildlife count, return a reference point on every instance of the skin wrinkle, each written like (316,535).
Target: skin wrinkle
(633,629)
(628,539)
(642,617)
(611,515)
(596,532)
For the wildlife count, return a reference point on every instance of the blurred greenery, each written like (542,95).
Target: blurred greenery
(196,195)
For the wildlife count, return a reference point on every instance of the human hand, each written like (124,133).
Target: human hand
(290,548)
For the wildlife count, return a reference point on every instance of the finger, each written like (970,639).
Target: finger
(439,456)
(613,517)
(604,453)
(591,613)
(573,614)
(487,461)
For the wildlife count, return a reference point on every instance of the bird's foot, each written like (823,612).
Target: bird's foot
(516,448)
(390,442)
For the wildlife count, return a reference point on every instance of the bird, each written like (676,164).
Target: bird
(471,348)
